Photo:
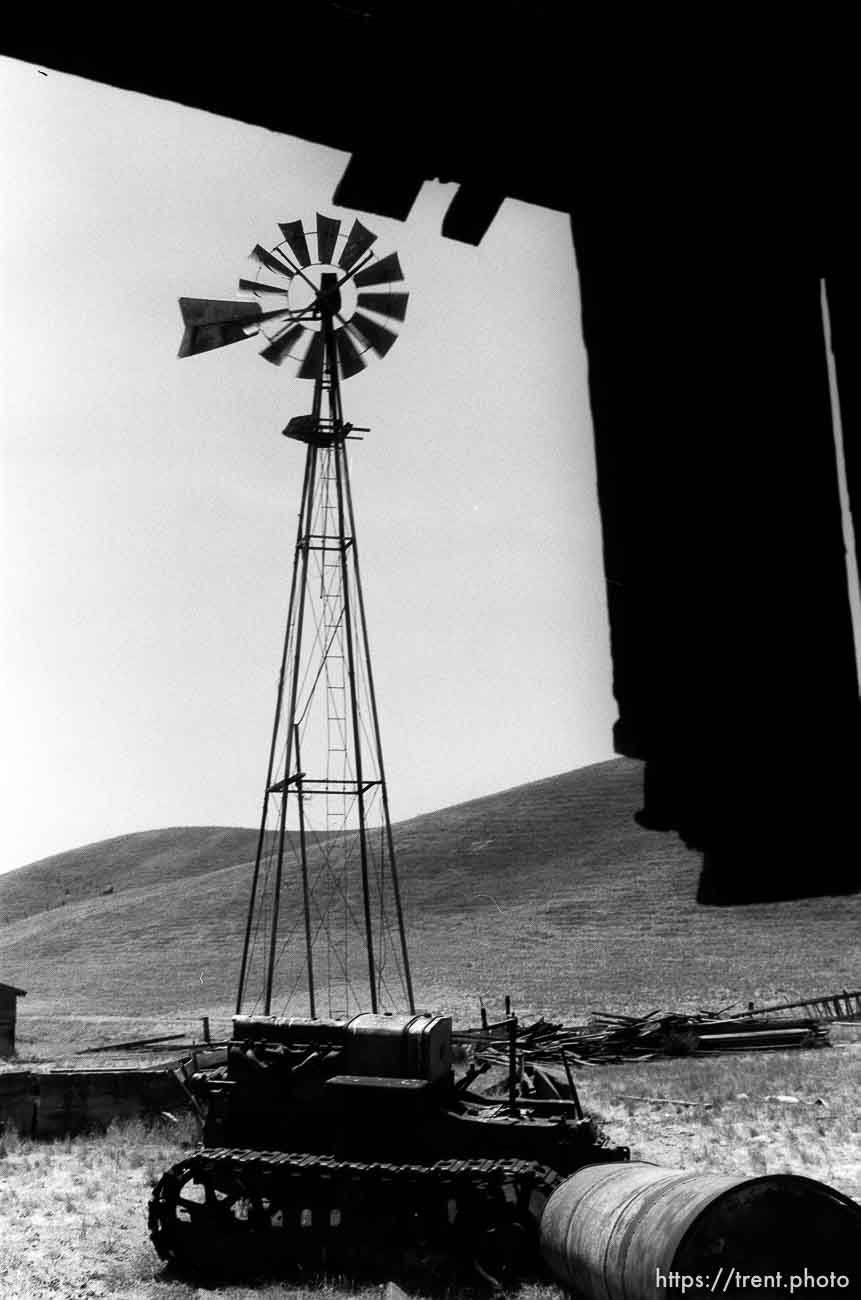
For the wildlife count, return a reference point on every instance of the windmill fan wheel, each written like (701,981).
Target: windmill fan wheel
(313,272)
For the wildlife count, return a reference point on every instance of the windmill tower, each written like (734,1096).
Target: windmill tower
(325,930)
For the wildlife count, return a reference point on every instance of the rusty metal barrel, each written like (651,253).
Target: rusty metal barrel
(639,1232)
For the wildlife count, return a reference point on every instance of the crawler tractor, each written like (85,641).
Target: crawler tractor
(329,1145)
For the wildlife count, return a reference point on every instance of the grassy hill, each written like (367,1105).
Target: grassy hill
(550,892)
(125,862)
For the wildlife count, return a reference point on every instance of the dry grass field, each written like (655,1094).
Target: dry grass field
(73,1212)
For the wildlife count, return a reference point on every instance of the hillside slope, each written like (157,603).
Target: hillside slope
(550,892)
(124,862)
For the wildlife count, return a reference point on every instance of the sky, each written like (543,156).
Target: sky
(149,504)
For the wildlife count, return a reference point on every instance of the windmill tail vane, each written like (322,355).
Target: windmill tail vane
(325,924)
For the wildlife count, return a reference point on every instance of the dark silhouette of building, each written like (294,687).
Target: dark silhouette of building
(709,174)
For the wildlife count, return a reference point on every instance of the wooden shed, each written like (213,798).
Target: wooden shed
(9,996)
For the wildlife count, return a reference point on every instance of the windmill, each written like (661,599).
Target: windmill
(325,921)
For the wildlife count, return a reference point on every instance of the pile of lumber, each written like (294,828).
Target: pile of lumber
(612,1038)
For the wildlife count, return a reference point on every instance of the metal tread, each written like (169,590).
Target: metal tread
(307,1211)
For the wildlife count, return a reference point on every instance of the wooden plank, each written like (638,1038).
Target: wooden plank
(132,1043)
(818,1003)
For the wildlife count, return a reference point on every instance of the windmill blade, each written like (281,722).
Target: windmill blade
(294,235)
(275,313)
(280,346)
(260,286)
(358,242)
(327,233)
(349,358)
(386,271)
(210,323)
(379,337)
(271,263)
(311,365)
(393,305)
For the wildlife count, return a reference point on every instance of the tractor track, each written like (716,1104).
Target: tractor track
(238,1211)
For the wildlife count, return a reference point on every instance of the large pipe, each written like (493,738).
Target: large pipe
(638,1232)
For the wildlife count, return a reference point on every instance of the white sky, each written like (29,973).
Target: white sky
(149,505)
